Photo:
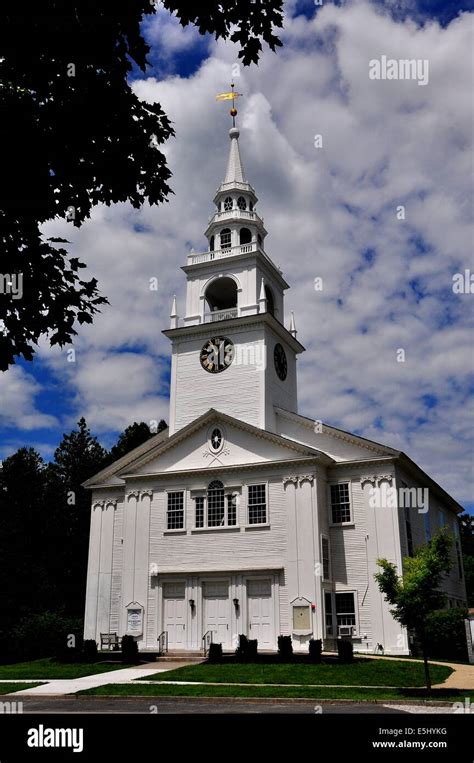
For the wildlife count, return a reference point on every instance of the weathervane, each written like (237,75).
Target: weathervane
(230,97)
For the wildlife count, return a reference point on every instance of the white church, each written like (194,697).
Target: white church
(245,517)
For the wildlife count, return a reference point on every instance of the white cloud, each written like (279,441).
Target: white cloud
(18,390)
(385,143)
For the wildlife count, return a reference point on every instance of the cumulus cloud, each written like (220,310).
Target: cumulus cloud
(18,391)
(331,212)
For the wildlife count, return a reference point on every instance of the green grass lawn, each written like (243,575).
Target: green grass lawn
(359,673)
(285,692)
(48,668)
(8,688)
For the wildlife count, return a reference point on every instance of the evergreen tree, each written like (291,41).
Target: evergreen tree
(24,584)
(133,436)
(77,458)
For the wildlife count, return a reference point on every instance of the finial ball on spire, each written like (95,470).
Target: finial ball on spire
(233,112)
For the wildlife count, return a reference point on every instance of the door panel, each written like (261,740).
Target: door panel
(260,612)
(217,612)
(174,614)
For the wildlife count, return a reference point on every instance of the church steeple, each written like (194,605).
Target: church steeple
(234,316)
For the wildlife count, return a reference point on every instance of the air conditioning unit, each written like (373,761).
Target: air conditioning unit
(345,630)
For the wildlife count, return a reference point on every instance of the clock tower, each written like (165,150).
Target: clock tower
(232,351)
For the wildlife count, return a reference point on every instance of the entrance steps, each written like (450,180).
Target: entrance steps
(181,656)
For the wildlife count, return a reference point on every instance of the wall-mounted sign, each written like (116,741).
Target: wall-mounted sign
(134,619)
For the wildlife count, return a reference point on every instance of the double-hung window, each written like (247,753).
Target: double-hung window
(345,613)
(175,512)
(257,504)
(340,503)
(325,557)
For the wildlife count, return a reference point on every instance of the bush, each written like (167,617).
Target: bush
(315,649)
(129,650)
(44,635)
(345,650)
(215,653)
(446,634)
(285,648)
(247,649)
(89,650)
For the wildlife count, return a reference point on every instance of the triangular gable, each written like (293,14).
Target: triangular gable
(336,443)
(108,476)
(244,443)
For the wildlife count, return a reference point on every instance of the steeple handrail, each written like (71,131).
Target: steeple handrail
(218,254)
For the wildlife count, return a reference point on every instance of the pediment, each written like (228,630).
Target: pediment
(190,448)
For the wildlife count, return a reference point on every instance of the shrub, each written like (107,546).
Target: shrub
(285,647)
(446,634)
(44,635)
(89,650)
(345,650)
(247,649)
(215,653)
(129,650)
(315,649)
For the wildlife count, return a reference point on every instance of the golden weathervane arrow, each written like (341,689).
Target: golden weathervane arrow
(230,97)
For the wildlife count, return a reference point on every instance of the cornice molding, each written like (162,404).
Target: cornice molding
(331,431)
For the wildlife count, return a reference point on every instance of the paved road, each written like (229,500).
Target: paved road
(166,705)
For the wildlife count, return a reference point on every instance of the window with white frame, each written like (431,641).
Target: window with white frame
(215,504)
(328,614)
(408,531)
(199,511)
(231,509)
(216,508)
(257,504)
(175,513)
(325,557)
(340,503)
(345,612)
(427,521)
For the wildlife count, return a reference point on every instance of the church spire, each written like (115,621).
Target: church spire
(235,171)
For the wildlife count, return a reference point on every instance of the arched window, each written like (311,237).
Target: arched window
(241,203)
(221,294)
(211,244)
(251,206)
(245,236)
(228,204)
(270,301)
(215,504)
(225,238)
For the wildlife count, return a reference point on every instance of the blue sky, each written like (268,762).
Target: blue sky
(330,214)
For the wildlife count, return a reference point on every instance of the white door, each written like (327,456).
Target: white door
(260,613)
(217,612)
(174,611)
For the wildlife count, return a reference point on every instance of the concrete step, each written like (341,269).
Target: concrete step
(181,656)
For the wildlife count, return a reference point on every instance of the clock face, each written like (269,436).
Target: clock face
(217,354)
(279,358)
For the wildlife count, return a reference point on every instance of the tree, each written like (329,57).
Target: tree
(416,594)
(466,527)
(78,457)
(75,135)
(23,542)
(133,436)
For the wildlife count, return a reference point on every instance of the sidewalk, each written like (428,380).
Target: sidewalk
(62,686)
(461,678)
